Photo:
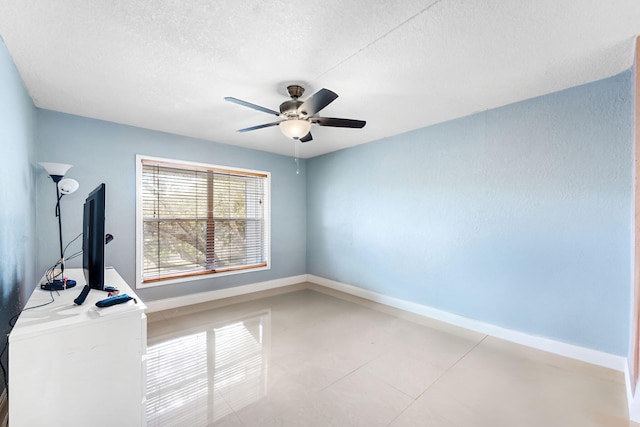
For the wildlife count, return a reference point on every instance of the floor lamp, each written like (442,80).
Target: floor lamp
(63,186)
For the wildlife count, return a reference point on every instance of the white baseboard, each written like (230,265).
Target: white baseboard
(633,399)
(176,302)
(584,354)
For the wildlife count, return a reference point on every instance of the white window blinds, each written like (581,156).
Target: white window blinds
(201,220)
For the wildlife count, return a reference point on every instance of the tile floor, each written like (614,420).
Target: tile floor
(311,358)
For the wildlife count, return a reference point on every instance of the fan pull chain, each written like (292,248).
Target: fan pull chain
(296,145)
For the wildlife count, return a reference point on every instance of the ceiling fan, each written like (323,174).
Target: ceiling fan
(296,117)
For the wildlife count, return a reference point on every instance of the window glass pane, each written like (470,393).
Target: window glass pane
(199,220)
(174,247)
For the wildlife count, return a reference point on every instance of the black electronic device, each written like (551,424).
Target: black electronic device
(120,299)
(83,295)
(58,285)
(93,240)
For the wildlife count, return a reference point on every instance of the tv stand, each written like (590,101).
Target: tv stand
(73,365)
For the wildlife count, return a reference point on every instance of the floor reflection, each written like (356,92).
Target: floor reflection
(203,375)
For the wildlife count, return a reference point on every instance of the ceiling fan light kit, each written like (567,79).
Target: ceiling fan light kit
(295,128)
(298,116)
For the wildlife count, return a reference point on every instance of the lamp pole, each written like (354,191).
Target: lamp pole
(58,197)
(57,171)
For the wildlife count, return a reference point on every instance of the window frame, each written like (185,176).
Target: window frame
(139,231)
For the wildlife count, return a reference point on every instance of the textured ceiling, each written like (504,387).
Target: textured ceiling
(398,64)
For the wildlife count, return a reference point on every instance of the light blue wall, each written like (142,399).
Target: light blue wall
(519,216)
(105,152)
(17,193)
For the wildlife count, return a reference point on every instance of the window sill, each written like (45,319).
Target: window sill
(185,279)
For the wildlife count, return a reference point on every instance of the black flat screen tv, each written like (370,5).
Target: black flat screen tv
(93,238)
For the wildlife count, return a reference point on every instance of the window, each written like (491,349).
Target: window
(196,219)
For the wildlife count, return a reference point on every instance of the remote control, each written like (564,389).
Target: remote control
(119,299)
(83,295)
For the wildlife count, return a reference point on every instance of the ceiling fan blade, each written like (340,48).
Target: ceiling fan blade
(306,138)
(266,125)
(250,105)
(317,102)
(339,123)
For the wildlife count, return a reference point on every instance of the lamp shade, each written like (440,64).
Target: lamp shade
(55,169)
(295,128)
(68,185)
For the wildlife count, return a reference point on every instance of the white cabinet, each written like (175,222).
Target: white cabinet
(81,365)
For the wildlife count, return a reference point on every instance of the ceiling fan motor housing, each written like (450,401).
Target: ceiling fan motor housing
(290,108)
